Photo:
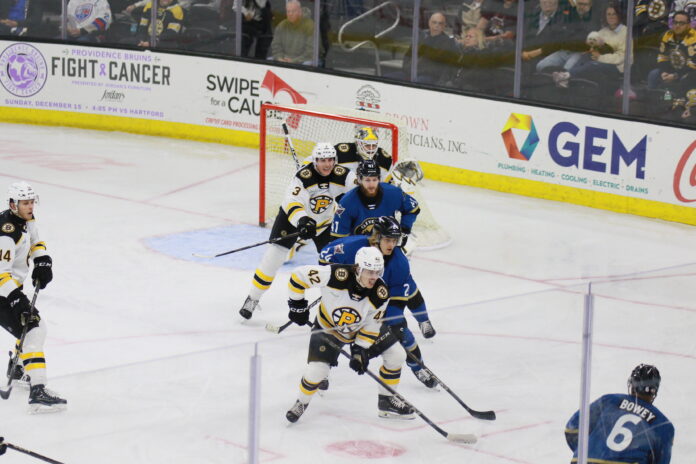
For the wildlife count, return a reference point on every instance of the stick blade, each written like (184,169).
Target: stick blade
(466,438)
(201,255)
(485,415)
(272,328)
(4,394)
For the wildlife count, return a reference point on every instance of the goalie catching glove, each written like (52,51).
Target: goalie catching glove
(359,358)
(406,174)
(43,272)
(299,313)
(307,227)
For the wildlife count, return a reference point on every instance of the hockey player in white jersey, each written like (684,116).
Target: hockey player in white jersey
(353,301)
(20,243)
(308,208)
(88,20)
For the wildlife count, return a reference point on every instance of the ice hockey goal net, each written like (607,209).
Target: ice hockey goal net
(310,125)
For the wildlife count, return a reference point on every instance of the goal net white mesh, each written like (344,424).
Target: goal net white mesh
(310,125)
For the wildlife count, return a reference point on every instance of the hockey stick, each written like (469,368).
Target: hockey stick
(30,453)
(278,329)
(5,394)
(273,240)
(485,415)
(292,148)
(467,438)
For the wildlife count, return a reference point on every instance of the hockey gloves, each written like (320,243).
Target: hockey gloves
(359,358)
(299,313)
(3,446)
(307,227)
(42,273)
(19,305)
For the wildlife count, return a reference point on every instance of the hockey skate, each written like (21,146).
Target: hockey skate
(426,378)
(296,411)
(427,329)
(17,375)
(392,407)
(248,307)
(43,400)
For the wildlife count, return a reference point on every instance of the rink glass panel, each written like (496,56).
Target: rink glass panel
(649,317)
(519,356)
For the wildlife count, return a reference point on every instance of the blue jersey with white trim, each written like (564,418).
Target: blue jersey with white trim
(356,213)
(397,270)
(624,429)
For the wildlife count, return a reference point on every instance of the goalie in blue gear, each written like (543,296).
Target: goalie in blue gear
(403,290)
(627,428)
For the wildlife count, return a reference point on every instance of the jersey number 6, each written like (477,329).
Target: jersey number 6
(625,434)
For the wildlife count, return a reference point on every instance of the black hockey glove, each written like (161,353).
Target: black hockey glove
(398,330)
(299,313)
(3,446)
(405,231)
(359,358)
(19,305)
(307,227)
(42,273)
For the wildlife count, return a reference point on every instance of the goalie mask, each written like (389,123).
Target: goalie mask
(644,380)
(323,150)
(367,141)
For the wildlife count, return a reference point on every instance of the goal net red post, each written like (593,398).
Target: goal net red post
(308,126)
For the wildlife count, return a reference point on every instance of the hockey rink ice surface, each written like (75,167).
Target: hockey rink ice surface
(146,343)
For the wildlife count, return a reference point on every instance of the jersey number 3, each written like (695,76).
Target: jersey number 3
(621,437)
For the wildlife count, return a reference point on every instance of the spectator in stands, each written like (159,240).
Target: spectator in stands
(499,21)
(88,21)
(468,15)
(650,22)
(170,21)
(604,61)
(472,73)
(20,17)
(133,5)
(256,24)
(676,64)
(544,26)
(566,52)
(293,37)
(438,53)
(688,7)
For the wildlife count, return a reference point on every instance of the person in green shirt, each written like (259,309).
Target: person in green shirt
(292,38)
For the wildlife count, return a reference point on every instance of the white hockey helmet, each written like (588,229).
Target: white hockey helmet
(367,141)
(20,191)
(323,150)
(370,259)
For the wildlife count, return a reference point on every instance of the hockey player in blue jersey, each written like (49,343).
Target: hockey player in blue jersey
(360,207)
(397,275)
(627,428)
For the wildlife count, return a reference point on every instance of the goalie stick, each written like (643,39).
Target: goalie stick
(273,240)
(279,328)
(484,415)
(5,393)
(298,165)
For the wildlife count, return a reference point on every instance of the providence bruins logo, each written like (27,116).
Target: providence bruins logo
(8,227)
(320,203)
(343,147)
(305,173)
(339,170)
(345,317)
(341,273)
(382,292)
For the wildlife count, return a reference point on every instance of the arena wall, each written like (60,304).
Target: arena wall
(618,165)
